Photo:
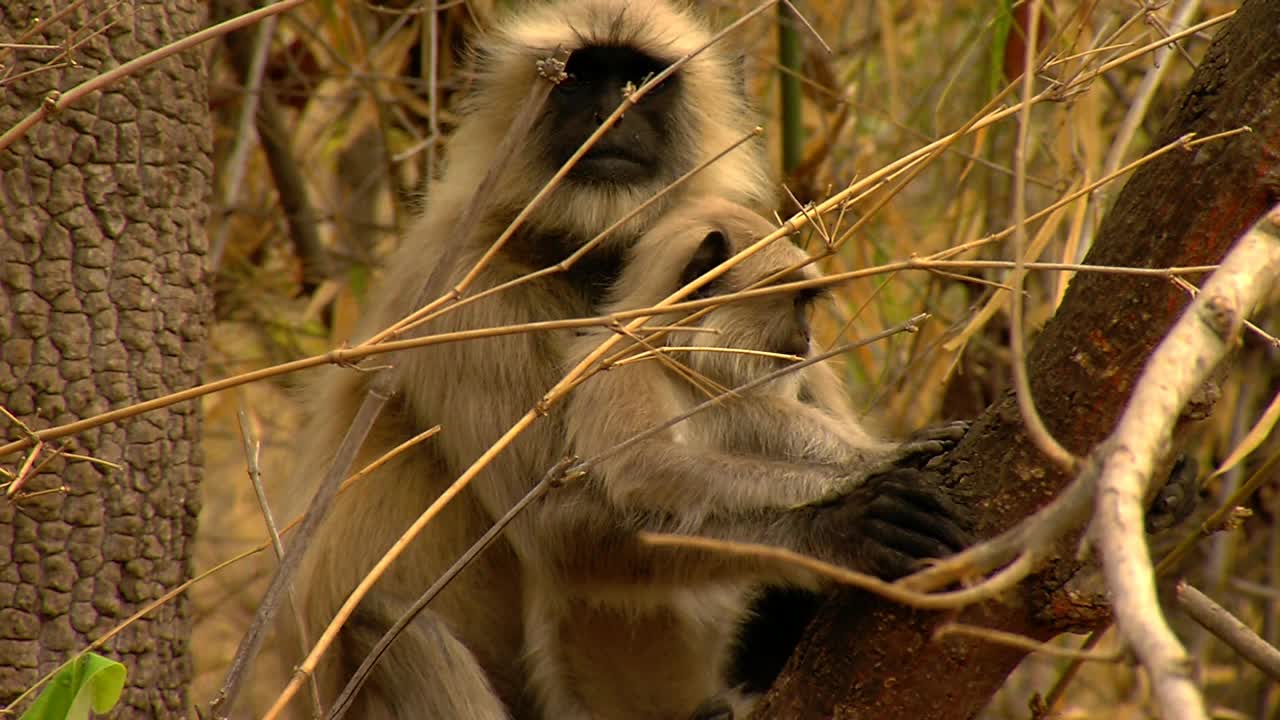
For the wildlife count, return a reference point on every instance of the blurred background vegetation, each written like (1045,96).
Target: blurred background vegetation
(329,118)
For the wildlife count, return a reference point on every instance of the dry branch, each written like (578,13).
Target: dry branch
(1228,628)
(1178,368)
(326,491)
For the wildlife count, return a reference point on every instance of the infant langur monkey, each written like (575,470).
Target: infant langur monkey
(633,631)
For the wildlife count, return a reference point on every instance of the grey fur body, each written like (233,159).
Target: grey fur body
(758,467)
(466,657)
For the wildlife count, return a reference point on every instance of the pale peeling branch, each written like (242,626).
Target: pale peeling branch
(1178,367)
(1228,628)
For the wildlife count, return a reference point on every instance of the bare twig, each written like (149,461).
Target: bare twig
(56,101)
(1141,101)
(251,61)
(1022,642)
(1035,427)
(350,355)
(1177,368)
(910,325)
(898,592)
(1228,628)
(368,413)
(482,198)
(252,454)
(552,479)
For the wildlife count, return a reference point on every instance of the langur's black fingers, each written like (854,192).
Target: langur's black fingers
(886,563)
(949,432)
(947,529)
(932,441)
(916,487)
(906,541)
(915,499)
(904,514)
(913,448)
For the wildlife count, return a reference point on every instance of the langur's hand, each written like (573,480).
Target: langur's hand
(930,442)
(891,522)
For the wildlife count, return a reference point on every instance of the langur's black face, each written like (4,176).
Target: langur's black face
(633,149)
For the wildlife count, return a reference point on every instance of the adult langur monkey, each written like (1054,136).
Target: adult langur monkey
(625,630)
(465,656)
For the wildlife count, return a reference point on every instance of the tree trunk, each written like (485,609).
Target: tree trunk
(103,303)
(868,658)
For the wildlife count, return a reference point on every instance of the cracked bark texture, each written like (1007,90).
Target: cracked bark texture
(103,303)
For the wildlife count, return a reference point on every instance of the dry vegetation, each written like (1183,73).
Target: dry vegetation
(350,86)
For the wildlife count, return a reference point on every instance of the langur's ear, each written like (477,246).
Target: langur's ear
(713,250)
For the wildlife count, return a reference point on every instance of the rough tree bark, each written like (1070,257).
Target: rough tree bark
(864,657)
(103,303)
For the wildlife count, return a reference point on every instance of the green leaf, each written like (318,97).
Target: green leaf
(89,681)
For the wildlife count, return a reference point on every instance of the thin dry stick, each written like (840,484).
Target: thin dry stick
(911,325)
(369,410)
(237,159)
(427,314)
(252,453)
(553,478)
(25,471)
(55,101)
(1228,628)
(1185,142)
(1170,272)
(433,85)
(348,356)
(551,72)
(1022,642)
(1151,46)
(37,28)
(1178,367)
(1142,96)
(898,591)
(1035,426)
